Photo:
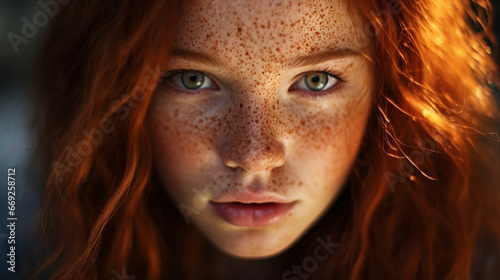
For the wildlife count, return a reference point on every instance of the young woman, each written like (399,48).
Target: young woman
(270,140)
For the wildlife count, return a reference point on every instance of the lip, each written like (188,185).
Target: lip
(251,214)
(247,196)
(252,208)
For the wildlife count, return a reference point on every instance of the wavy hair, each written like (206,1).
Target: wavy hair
(422,201)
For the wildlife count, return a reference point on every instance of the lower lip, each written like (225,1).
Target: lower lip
(253,214)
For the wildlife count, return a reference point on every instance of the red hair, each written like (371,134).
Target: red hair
(422,191)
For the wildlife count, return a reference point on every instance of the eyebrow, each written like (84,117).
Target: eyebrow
(301,61)
(196,56)
(321,57)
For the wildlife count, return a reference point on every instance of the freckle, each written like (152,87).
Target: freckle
(300,183)
(241,105)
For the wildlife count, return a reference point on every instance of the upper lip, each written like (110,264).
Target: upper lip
(247,196)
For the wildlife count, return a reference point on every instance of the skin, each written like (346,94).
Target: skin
(254,129)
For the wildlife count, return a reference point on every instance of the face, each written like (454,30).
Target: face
(259,118)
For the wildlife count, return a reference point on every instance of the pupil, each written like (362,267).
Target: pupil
(315,79)
(192,80)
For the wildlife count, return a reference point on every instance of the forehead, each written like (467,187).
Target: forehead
(270,29)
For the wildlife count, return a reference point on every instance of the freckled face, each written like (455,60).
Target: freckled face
(262,101)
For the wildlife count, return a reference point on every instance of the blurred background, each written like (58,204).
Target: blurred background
(17,140)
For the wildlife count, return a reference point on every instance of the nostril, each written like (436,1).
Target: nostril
(251,160)
(231,164)
(253,152)
(232,168)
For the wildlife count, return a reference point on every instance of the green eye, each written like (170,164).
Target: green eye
(192,80)
(316,81)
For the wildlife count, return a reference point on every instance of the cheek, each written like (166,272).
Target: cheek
(326,143)
(328,136)
(317,134)
(182,137)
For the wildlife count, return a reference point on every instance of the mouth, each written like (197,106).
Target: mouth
(251,214)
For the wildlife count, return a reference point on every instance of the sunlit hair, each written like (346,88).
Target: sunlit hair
(422,197)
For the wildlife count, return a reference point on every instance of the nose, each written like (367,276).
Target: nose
(253,144)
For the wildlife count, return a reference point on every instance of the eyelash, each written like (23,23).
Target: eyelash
(188,93)
(310,94)
(323,94)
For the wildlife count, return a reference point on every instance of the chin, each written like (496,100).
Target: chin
(253,254)
(253,248)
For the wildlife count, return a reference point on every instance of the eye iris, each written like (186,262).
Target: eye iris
(192,80)
(316,81)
